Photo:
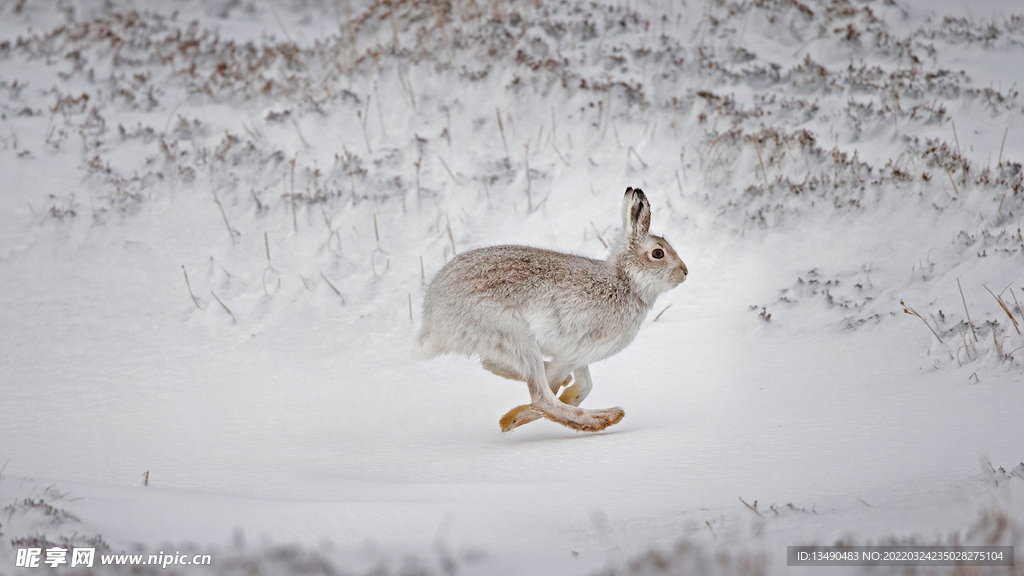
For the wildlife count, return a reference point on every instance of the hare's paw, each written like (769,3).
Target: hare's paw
(595,420)
(570,395)
(518,416)
(607,417)
(580,419)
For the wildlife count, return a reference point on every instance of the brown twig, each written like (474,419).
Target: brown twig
(226,309)
(957,191)
(447,169)
(295,218)
(598,232)
(231,231)
(448,228)
(637,156)
(754,507)
(909,310)
(764,173)
(963,166)
(1019,310)
(333,287)
(189,284)
(1005,308)
(529,182)
(969,322)
(501,127)
(1007,131)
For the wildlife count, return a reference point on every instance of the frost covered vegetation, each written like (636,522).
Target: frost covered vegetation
(388,115)
(838,172)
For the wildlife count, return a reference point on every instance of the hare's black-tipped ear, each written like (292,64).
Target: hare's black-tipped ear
(636,213)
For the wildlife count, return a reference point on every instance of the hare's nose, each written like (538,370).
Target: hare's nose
(683,266)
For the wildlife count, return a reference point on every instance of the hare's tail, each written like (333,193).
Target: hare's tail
(427,345)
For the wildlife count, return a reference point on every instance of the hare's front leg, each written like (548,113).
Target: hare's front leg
(579,391)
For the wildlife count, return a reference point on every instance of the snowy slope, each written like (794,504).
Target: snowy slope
(821,167)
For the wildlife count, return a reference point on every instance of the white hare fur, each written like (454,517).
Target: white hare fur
(515,305)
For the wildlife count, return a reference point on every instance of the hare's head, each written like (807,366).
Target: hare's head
(648,259)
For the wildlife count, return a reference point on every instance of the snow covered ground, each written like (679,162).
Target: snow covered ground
(218,221)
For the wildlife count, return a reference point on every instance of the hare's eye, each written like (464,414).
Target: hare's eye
(658,253)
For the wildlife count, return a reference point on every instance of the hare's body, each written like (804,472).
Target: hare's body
(505,289)
(515,305)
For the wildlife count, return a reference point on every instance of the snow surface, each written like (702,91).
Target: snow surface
(310,165)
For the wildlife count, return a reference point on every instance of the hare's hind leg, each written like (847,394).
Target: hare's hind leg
(565,410)
(575,417)
(579,391)
(553,409)
(525,414)
(505,372)
(519,354)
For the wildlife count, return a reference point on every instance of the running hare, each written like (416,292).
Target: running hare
(515,305)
